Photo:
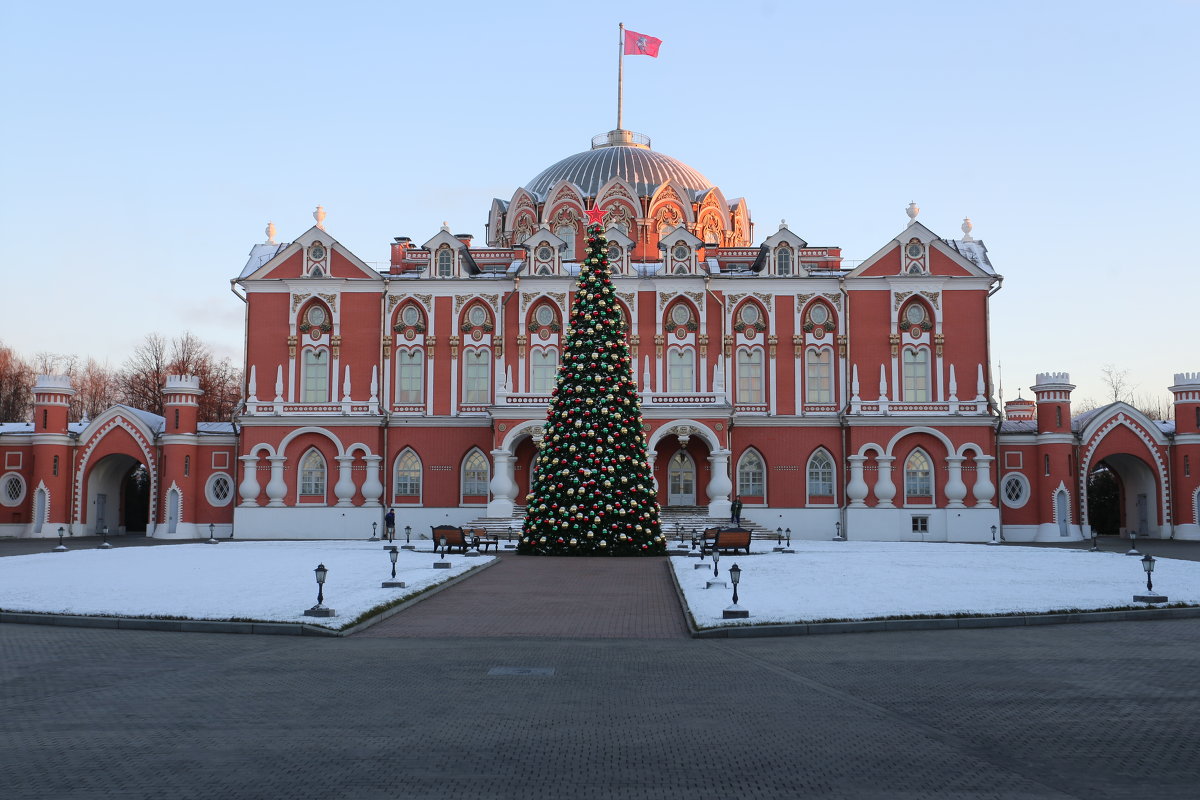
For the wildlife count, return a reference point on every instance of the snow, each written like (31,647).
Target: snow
(266,581)
(866,580)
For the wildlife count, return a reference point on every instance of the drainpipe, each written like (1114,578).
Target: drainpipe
(845,387)
(385,401)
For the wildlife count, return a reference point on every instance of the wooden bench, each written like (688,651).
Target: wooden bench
(706,541)
(479,539)
(454,536)
(732,540)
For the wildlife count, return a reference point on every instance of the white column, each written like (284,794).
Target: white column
(856,489)
(344,488)
(372,488)
(276,487)
(956,490)
(983,490)
(249,487)
(885,490)
(719,484)
(502,485)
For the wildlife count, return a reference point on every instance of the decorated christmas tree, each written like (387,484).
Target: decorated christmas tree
(592,491)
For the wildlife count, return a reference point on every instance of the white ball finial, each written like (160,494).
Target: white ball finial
(783,224)
(270,233)
(912,211)
(319,216)
(966,229)
(445,226)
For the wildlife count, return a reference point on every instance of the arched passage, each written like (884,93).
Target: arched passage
(1123,496)
(1123,442)
(117,495)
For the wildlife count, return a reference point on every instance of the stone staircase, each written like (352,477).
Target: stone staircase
(674,519)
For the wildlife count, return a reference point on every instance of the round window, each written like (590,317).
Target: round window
(219,490)
(819,314)
(12,489)
(410,316)
(477,316)
(680,314)
(915,314)
(1014,490)
(544,315)
(317,252)
(750,314)
(915,250)
(316,316)
(544,253)
(614,252)
(680,252)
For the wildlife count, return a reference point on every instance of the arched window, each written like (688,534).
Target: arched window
(750,376)
(818,376)
(681,370)
(752,475)
(174,508)
(410,376)
(445,262)
(187,465)
(543,367)
(315,376)
(916,375)
(312,474)
(477,369)
(408,478)
(783,261)
(918,477)
(475,475)
(820,477)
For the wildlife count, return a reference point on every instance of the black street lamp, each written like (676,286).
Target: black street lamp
(735,577)
(393,554)
(319,610)
(407,534)
(1148,565)
(62,548)
(787,536)
(735,611)
(993,541)
(1095,541)
(779,536)
(679,531)
(716,558)
(1132,551)
(212,534)
(837,531)
(695,538)
(104,545)
(374,532)
(442,563)
(442,544)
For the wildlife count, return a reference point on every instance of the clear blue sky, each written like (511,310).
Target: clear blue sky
(146,145)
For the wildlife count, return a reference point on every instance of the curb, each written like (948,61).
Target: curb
(936,623)
(221,626)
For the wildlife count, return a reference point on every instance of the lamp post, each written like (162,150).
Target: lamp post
(104,545)
(787,536)
(442,563)
(319,610)
(408,537)
(735,611)
(62,548)
(1095,541)
(1150,596)
(993,541)
(393,554)
(695,537)
(837,531)
(716,558)
(212,531)
(374,532)
(1132,551)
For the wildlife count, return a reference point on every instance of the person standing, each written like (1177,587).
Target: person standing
(735,510)
(389,523)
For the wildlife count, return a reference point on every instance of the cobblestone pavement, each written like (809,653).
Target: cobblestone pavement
(551,597)
(1083,711)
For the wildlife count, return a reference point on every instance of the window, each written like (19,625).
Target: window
(750,376)
(818,314)
(177,419)
(408,475)
(614,253)
(12,489)
(312,474)
(751,475)
(681,370)
(1014,490)
(410,316)
(1058,416)
(681,315)
(544,315)
(55,468)
(820,475)
(1187,466)
(316,316)
(1046,464)
(315,380)
(567,234)
(187,464)
(543,367)
(477,316)
(445,262)
(750,315)
(920,524)
(916,375)
(46,420)
(818,379)
(681,252)
(918,477)
(783,261)
(410,376)
(476,373)
(219,489)
(475,475)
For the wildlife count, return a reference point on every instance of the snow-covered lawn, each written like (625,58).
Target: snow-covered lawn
(867,580)
(264,581)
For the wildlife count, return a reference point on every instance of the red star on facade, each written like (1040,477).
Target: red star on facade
(595,216)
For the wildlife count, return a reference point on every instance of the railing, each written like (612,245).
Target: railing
(683,398)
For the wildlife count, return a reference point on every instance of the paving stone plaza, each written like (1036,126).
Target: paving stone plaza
(561,698)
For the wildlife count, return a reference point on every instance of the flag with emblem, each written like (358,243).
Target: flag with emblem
(639,44)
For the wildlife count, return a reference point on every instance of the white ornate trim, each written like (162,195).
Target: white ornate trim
(1145,437)
(151,464)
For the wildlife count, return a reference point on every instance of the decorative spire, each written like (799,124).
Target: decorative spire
(374,383)
(346,386)
(883,395)
(270,233)
(278,386)
(912,211)
(319,216)
(445,226)
(854,384)
(966,229)
(953,385)
(252,386)
(783,225)
(980,386)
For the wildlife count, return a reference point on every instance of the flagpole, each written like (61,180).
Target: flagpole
(620,69)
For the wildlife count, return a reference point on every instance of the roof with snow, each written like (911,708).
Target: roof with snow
(973,251)
(259,255)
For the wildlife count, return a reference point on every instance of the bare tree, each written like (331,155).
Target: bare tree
(1120,389)
(16,384)
(147,369)
(97,387)
(145,372)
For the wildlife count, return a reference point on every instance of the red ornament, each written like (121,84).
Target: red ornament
(595,216)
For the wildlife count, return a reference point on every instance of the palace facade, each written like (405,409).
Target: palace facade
(835,400)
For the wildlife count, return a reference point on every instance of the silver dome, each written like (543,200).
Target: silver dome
(615,154)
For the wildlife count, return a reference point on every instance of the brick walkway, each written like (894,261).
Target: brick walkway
(539,597)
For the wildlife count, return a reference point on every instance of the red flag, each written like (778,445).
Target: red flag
(639,44)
